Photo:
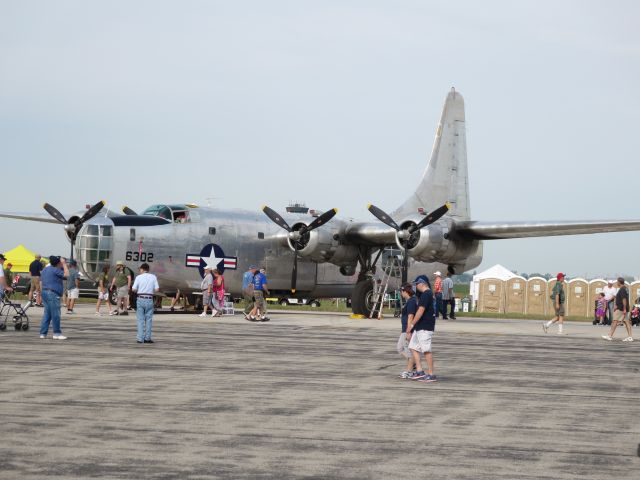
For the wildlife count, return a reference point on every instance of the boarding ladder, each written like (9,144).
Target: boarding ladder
(391,268)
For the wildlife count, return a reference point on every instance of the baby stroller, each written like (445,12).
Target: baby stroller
(635,313)
(14,310)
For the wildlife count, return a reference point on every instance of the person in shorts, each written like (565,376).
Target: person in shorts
(122,282)
(621,312)
(420,331)
(73,285)
(206,287)
(103,290)
(557,297)
(247,290)
(258,314)
(409,310)
(35,268)
(4,286)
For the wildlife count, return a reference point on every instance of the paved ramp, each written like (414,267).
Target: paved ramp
(308,396)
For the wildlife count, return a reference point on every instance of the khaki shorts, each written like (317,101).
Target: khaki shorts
(259,296)
(618,316)
(73,293)
(559,311)
(35,283)
(123,292)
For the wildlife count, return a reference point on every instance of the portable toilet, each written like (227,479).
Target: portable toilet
(491,296)
(515,294)
(634,292)
(536,299)
(577,300)
(595,287)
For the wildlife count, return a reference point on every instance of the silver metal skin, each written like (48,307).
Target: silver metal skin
(333,257)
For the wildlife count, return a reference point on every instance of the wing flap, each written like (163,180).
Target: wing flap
(504,230)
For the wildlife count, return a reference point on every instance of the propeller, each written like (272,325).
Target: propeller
(297,236)
(405,234)
(73,227)
(128,211)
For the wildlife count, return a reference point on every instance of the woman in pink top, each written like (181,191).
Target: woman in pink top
(218,293)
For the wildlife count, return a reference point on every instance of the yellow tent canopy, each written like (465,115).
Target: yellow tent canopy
(20,257)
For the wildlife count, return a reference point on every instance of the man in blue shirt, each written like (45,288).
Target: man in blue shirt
(420,331)
(51,278)
(258,314)
(247,290)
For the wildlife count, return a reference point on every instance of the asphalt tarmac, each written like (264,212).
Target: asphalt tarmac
(315,396)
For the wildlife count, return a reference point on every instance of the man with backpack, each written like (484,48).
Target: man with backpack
(557,297)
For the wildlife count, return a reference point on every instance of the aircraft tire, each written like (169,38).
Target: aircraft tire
(361,291)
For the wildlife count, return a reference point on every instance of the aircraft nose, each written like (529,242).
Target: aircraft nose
(94,246)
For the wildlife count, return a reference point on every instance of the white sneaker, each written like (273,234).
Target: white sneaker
(98,314)
(628,339)
(43,336)
(59,337)
(203,314)
(607,337)
(214,313)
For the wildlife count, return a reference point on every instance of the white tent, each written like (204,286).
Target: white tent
(497,271)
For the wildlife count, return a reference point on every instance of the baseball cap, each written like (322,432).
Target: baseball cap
(54,260)
(73,262)
(438,274)
(253,267)
(421,279)
(2,257)
(560,275)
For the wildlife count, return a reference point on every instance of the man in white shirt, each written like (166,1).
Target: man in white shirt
(610,292)
(145,285)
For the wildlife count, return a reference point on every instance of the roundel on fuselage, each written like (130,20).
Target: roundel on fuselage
(211,255)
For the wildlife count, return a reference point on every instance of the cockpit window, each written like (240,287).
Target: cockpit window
(94,246)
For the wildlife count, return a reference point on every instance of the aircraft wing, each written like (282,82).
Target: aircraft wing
(32,218)
(503,230)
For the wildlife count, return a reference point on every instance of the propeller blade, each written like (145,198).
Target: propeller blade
(321,220)
(383,217)
(92,212)
(276,218)
(127,211)
(432,216)
(294,272)
(53,211)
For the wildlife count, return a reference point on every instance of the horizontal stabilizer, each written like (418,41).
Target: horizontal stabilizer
(502,230)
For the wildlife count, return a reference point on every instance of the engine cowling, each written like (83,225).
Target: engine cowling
(323,244)
(436,243)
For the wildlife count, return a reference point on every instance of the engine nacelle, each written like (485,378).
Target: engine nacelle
(323,245)
(436,243)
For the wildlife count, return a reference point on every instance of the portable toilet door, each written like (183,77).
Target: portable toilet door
(634,292)
(536,301)
(515,294)
(595,287)
(577,299)
(491,296)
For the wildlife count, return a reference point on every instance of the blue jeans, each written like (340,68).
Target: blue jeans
(51,302)
(144,315)
(438,304)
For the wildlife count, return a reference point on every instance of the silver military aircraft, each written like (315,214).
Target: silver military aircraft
(312,254)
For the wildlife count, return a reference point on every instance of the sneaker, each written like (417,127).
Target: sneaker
(429,379)
(452,318)
(124,313)
(544,327)
(138,341)
(418,375)
(114,313)
(214,312)
(98,314)
(69,311)
(59,337)
(264,319)
(149,341)
(253,319)
(628,339)
(607,337)
(406,374)
(203,314)
(43,336)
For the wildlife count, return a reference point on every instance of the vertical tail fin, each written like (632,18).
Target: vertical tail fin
(445,178)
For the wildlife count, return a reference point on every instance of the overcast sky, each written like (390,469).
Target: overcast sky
(334,103)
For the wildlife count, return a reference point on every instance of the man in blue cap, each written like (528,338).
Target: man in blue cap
(420,331)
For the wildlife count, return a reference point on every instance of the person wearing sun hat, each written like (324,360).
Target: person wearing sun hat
(557,298)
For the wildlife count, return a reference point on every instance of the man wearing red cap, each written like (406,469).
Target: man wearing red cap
(557,297)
